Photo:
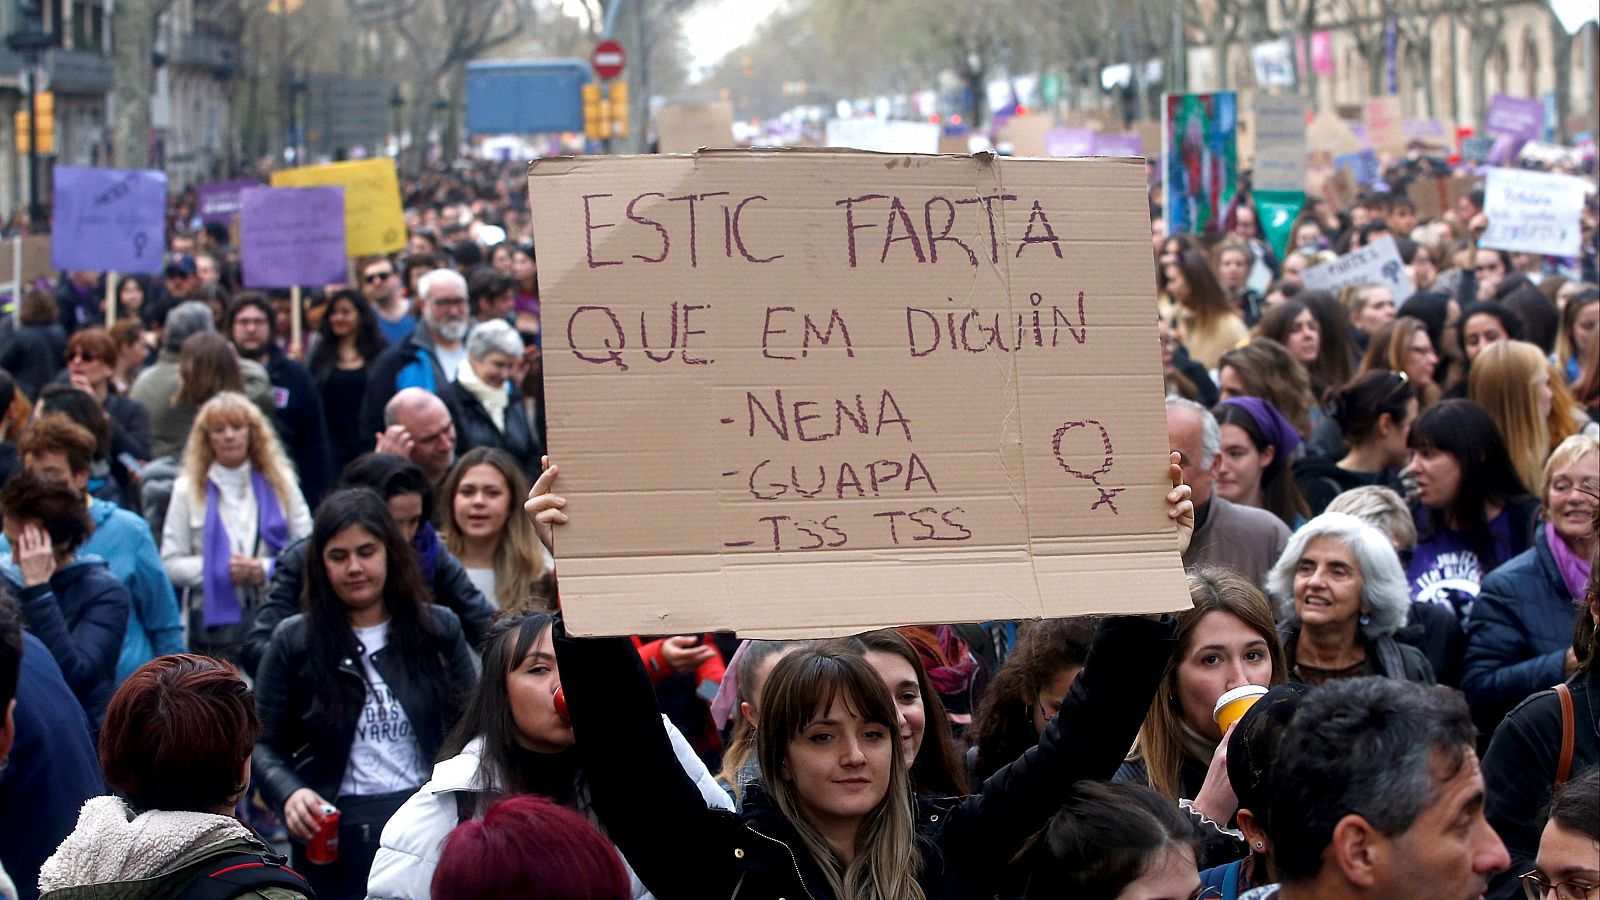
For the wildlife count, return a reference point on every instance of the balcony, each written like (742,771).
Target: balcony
(200,50)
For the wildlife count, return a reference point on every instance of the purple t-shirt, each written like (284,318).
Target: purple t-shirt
(1446,570)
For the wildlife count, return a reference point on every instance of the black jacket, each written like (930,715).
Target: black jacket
(1520,766)
(412,362)
(965,843)
(475,429)
(81,614)
(33,356)
(451,588)
(300,423)
(302,746)
(1320,480)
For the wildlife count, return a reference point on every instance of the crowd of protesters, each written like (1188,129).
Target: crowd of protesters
(265,595)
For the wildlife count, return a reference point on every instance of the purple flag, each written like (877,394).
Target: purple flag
(292,236)
(109,220)
(1069,142)
(1118,145)
(218,201)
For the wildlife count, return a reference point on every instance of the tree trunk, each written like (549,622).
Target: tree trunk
(1561,43)
(133,39)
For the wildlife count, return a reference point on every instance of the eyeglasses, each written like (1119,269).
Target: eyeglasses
(375,277)
(1534,887)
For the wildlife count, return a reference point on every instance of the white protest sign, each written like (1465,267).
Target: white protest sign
(1533,212)
(883,135)
(1280,162)
(1377,263)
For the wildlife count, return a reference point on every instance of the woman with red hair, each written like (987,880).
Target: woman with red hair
(530,848)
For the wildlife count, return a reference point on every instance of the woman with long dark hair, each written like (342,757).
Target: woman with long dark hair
(1027,691)
(347,341)
(1374,415)
(356,693)
(511,741)
(1472,511)
(1206,321)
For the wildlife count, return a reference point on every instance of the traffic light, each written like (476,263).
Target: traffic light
(596,113)
(619,109)
(45,103)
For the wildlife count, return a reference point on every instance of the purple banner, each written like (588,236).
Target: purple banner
(109,220)
(292,236)
(1520,119)
(1118,145)
(1069,142)
(218,201)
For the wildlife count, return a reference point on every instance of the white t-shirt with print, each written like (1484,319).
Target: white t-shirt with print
(385,757)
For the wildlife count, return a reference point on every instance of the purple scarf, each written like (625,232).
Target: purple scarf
(1574,569)
(222,601)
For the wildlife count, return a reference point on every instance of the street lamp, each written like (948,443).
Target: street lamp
(396,104)
(29,41)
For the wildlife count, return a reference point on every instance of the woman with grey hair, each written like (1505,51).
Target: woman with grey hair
(1341,596)
(484,401)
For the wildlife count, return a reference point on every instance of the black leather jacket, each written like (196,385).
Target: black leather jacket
(301,746)
(451,589)
(965,842)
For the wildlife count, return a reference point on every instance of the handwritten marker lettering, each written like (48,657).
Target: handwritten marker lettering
(1107,495)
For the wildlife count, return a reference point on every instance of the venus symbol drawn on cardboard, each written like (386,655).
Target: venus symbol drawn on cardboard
(1107,495)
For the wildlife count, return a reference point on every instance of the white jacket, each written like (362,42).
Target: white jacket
(408,852)
(183,536)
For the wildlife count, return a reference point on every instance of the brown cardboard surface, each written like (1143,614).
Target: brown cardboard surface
(1149,132)
(35,258)
(993,483)
(1429,196)
(1026,135)
(686,127)
(1341,188)
(954,143)
(1386,128)
(1094,119)
(1328,132)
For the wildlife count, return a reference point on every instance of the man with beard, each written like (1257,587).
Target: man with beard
(429,358)
(299,417)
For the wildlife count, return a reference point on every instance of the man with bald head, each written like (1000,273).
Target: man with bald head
(417,426)
(430,357)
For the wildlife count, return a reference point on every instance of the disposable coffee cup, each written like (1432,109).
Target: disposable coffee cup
(1232,705)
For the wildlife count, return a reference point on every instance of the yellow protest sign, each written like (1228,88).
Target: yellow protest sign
(373,222)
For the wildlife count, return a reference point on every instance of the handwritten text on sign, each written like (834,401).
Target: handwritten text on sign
(813,392)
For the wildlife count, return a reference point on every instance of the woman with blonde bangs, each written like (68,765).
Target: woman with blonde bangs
(1227,640)
(834,815)
(235,504)
(498,549)
(1511,380)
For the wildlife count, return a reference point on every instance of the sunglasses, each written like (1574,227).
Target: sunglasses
(82,356)
(375,277)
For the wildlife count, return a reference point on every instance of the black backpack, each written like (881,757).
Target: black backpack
(230,875)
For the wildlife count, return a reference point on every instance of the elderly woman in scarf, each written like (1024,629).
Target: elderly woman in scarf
(484,402)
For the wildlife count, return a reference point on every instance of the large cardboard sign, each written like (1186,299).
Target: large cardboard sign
(1333,135)
(373,220)
(851,390)
(1534,212)
(35,258)
(1386,127)
(1201,169)
(1377,263)
(1027,135)
(686,127)
(1280,160)
(292,236)
(109,219)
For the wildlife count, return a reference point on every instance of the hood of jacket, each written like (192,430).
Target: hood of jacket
(113,845)
(101,510)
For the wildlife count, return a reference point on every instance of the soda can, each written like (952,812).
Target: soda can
(323,848)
